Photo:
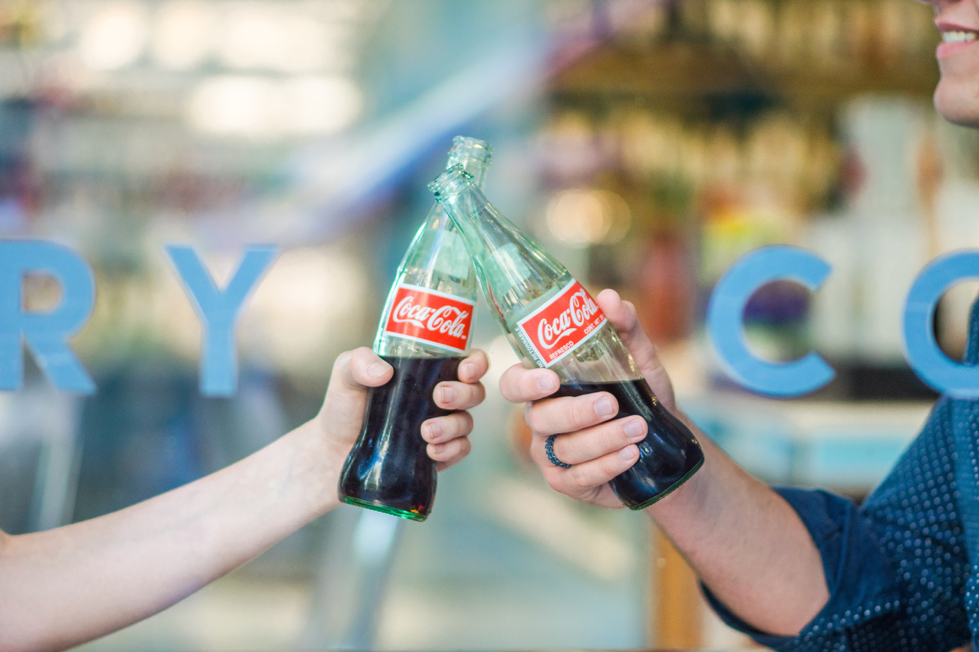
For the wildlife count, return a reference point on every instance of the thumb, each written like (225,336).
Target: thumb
(354,372)
(623,316)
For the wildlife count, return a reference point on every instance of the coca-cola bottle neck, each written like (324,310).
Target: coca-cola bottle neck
(437,260)
(513,270)
(450,184)
(432,251)
(473,155)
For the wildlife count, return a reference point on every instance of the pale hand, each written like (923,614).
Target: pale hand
(354,372)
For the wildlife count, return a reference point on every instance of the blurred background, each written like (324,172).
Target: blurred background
(647,144)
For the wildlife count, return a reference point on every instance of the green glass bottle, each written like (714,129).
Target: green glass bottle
(551,321)
(423,334)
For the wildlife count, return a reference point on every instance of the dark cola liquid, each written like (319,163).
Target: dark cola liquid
(388,468)
(667,456)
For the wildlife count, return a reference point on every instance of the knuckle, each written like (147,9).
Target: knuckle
(534,418)
(342,360)
(455,447)
(555,480)
(363,354)
(454,426)
(478,393)
(482,361)
(461,425)
(582,413)
(611,465)
(575,416)
(449,450)
(608,437)
(578,477)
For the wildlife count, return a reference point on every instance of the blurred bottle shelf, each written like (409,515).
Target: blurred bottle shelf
(674,72)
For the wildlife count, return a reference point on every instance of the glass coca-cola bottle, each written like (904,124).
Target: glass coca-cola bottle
(423,334)
(551,321)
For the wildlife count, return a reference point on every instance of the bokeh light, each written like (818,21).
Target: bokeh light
(114,35)
(579,218)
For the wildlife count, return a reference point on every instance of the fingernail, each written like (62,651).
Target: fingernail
(629,452)
(448,393)
(545,383)
(603,407)
(633,429)
(378,369)
(465,371)
(434,430)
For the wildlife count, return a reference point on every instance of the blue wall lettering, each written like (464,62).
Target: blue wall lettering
(725,327)
(920,347)
(218,311)
(45,333)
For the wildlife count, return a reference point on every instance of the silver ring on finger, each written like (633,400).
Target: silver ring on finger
(549,451)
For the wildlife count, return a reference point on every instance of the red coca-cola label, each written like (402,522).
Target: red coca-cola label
(431,317)
(561,325)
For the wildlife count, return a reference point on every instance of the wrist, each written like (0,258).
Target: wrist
(324,457)
(688,503)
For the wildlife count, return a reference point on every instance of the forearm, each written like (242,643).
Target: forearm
(746,543)
(93,577)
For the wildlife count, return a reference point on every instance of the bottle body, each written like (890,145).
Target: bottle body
(668,455)
(551,321)
(388,469)
(423,334)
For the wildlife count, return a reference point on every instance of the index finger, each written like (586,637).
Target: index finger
(519,385)
(571,413)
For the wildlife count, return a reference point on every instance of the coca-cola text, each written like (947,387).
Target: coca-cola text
(430,316)
(562,324)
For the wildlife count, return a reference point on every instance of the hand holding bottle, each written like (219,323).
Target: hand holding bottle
(423,335)
(742,539)
(598,446)
(355,372)
(551,322)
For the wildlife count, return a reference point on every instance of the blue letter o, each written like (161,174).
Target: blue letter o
(920,348)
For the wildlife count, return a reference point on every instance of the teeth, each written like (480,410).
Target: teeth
(958,37)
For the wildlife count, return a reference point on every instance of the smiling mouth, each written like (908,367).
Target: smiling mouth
(956,36)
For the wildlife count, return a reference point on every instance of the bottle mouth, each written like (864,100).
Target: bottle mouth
(451,182)
(466,148)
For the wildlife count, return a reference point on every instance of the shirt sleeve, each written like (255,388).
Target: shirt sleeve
(895,568)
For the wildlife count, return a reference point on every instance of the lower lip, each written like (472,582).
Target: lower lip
(945,49)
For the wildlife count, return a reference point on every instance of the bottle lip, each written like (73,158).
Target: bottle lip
(466,146)
(454,178)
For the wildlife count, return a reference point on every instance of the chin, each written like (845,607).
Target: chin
(957,103)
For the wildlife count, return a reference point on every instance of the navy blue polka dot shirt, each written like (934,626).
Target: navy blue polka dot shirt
(903,569)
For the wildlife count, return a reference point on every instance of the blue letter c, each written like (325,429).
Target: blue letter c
(725,326)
